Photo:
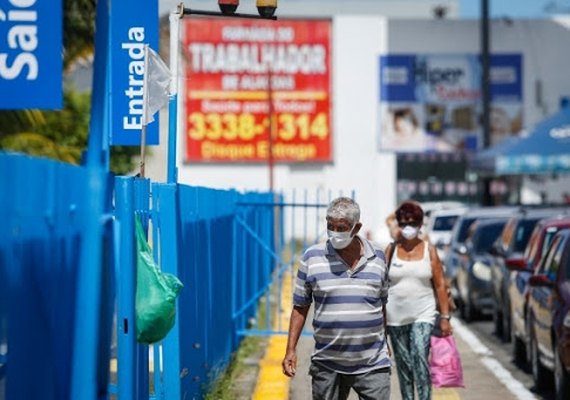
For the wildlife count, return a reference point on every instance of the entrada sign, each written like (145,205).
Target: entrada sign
(130,31)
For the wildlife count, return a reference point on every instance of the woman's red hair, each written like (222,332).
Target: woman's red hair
(410,210)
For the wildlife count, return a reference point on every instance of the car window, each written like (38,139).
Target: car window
(522,234)
(444,223)
(566,273)
(536,247)
(464,229)
(533,244)
(551,268)
(548,235)
(485,236)
(507,235)
(549,257)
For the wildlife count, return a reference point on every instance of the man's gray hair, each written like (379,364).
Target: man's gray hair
(344,208)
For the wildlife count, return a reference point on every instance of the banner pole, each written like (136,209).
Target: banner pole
(143,155)
(144,111)
(175,18)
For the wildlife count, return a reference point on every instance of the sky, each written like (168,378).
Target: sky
(512,8)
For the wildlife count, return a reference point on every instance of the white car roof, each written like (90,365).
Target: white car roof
(448,212)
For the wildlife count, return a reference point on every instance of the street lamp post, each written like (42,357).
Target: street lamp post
(485,91)
(270,127)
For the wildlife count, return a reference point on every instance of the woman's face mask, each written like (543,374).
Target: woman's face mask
(410,232)
(340,240)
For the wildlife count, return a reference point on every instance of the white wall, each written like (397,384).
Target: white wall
(358,42)
(544,45)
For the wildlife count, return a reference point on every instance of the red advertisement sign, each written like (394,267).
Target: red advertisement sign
(246,79)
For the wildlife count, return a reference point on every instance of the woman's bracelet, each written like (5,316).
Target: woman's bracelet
(445,316)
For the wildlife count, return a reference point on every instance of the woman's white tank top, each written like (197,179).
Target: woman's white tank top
(411,295)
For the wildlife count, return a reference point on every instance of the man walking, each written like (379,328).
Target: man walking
(346,278)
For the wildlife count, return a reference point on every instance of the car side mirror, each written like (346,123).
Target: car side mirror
(516,264)
(462,250)
(540,280)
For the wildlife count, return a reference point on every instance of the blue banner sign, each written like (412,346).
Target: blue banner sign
(432,102)
(133,24)
(31,54)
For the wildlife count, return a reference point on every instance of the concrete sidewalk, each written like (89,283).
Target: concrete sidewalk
(480,382)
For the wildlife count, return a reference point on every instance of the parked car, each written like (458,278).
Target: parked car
(430,206)
(508,247)
(459,234)
(549,318)
(521,270)
(473,279)
(439,227)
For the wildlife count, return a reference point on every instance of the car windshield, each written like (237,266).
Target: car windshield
(464,229)
(444,223)
(485,236)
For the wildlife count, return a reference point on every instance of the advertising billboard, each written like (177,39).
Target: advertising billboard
(432,102)
(31,58)
(235,67)
(130,31)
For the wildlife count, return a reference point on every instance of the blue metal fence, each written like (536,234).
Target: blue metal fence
(43,244)
(224,246)
(196,236)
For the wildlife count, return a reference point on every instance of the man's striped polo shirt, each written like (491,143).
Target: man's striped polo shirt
(348,321)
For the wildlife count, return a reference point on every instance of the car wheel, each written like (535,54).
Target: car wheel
(519,351)
(539,373)
(528,349)
(497,321)
(506,324)
(561,377)
(469,311)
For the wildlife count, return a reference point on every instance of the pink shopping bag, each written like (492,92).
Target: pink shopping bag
(445,363)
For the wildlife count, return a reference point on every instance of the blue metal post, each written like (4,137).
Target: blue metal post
(172,173)
(165,204)
(126,322)
(141,200)
(86,382)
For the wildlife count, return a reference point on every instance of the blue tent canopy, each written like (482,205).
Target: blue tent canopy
(546,150)
(484,161)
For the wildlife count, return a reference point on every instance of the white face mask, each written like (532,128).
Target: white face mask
(340,240)
(410,232)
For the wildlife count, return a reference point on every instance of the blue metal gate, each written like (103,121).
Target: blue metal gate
(299,221)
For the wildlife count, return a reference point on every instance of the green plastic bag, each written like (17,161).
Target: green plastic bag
(156,294)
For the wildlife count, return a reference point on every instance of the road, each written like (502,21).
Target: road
(483,329)
(489,371)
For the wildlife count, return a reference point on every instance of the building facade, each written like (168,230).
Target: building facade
(358,161)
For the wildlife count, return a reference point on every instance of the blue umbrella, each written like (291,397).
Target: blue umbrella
(545,150)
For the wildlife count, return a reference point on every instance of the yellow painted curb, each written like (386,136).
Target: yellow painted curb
(271,383)
(445,394)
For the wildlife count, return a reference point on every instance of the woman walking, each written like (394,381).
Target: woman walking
(416,279)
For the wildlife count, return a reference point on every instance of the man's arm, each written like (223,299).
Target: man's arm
(296,323)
